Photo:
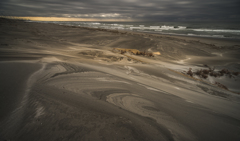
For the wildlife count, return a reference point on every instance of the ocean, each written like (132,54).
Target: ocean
(229,30)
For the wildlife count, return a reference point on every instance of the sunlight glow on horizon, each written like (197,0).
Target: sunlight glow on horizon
(66,19)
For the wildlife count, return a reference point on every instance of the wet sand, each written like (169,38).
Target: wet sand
(67,83)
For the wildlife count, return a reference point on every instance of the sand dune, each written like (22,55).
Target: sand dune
(67,83)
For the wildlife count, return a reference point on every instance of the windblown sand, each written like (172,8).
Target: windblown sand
(67,83)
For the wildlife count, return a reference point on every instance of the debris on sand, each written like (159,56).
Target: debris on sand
(135,52)
(221,85)
(156,53)
(236,73)
(211,72)
(204,73)
(190,72)
(124,50)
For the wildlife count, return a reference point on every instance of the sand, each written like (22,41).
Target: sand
(68,83)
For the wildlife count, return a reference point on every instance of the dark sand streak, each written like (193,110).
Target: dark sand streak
(15,85)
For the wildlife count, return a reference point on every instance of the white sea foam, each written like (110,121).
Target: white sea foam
(164,27)
(131,28)
(95,23)
(219,36)
(182,27)
(158,28)
(154,27)
(128,25)
(218,30)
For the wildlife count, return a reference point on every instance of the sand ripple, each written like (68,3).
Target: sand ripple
(146,108)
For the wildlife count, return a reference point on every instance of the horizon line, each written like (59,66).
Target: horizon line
(64,19)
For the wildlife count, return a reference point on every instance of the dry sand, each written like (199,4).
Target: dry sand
(67,83)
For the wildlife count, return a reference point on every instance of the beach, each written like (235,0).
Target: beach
(63,82)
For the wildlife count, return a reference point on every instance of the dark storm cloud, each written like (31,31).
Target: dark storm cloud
(125,9)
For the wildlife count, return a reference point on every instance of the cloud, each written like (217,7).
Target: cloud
(135,9)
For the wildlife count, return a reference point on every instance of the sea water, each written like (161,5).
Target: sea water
(229,30)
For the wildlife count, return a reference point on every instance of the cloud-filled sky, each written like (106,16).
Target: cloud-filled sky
(157,10)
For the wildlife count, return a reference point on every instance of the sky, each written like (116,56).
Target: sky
(129,10)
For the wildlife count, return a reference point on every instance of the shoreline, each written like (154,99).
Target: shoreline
(161,35)
(148,32)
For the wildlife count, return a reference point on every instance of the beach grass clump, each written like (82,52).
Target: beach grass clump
(236,73)
(123,51)
(134,52)
(204,73)
(211,72)
(190,72)
(144,53)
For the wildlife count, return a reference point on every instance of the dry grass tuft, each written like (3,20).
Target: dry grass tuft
(134,52)
(204,73)
(190,72)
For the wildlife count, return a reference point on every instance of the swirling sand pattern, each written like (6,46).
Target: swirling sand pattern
(146,108)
